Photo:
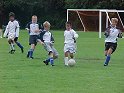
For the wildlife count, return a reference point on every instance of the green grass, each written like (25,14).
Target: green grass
(21,75)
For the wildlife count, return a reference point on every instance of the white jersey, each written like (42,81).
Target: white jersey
(12,28)
(47,36)
(32,27)
(113,35)
(70,36)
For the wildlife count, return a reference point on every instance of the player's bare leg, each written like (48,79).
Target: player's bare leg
(55,56)
(40,41)
(11,43)
(72,55)
(109,52)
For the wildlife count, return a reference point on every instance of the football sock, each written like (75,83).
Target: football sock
(51,61)
(19,45)
(66,61)
(31,53)
(28,53)
(107,59)
(12,46)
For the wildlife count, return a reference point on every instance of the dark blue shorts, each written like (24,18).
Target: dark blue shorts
(33,39)
(109,45)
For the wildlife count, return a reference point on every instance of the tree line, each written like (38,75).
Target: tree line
(51,10)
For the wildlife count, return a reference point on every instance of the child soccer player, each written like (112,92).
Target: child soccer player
(34,30)
(112,33)
(70,42)
(12,32)
(47,37)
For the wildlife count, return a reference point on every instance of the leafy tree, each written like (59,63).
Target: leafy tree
(51,10)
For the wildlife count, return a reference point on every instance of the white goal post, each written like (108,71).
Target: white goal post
(100,13)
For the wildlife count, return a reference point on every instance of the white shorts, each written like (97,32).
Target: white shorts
(11,36)
(50,48)
(70,48)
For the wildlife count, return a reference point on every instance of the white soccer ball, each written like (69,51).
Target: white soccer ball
(71,62)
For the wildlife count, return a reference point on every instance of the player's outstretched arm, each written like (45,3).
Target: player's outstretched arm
(6,31)
(107,31)
(120,35)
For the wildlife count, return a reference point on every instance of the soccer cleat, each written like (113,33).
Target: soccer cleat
(22,50)
(52,65)
(66,65)
(46,62)
(105,64)
(12,51)
(31,57)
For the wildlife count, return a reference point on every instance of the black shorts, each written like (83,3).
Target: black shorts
(16,39)
(109,45)
(33,39)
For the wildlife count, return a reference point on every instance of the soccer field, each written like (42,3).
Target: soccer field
(21,75)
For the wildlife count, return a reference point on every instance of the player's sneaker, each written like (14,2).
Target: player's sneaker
(22,50)
(12,51)
(66,65)
(105,64)
(47,63)
(52,65)
(31,57)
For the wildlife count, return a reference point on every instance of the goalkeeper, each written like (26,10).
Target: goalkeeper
(111,33)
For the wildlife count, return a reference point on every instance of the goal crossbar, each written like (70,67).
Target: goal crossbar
(100,16)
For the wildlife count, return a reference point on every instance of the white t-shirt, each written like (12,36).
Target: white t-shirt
(12,28)
(47,36)
(70,36)
(33,28)
(113,35)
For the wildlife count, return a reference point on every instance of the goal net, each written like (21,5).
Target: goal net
(96,20)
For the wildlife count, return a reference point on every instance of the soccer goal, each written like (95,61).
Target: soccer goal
(94,19)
